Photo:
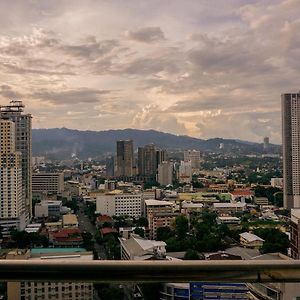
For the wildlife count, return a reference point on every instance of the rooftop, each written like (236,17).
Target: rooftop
(153,202)
(250,237)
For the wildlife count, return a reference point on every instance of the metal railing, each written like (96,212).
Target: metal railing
(150,271)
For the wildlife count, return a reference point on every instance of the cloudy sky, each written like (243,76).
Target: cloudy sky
(205,68)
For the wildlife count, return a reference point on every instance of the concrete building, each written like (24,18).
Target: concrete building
(251,240)
(290,104)
(165,173)
(49,183)
(48,208)
(110,167)
(185,172)
(295,233)
(137,248)
(161,155)
(23,143)
(194,157)
(124,163)
(159,213)
(70,221)
(147,165)
(50,290)
(229,208)
(119,203)
(12,198)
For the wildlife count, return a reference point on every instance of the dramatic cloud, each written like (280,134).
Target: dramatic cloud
(185,67)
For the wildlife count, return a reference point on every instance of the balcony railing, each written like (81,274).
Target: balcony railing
(150,271)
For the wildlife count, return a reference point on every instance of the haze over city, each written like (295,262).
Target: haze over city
(200,68)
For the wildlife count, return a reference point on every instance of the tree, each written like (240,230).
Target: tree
(140,231)
(275,240)
(191,254)
(142,221)
(164,233)
(181,226)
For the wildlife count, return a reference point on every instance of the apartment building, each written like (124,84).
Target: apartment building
(117,203)
(12,198)
(50,183)
(50,290)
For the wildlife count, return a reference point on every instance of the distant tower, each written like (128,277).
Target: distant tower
(161,155)
(194,157)
(12,212)
(15,112)
(124,163)
(290,104)
(110,166)
(266,142)
(147,160)
(165,173)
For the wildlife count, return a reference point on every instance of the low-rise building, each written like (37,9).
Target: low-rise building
(137,248)
(229,208)
(251,240)
(228,220)
(70,221)
(67,237)
(48,208)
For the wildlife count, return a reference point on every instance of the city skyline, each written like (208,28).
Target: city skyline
(186,67)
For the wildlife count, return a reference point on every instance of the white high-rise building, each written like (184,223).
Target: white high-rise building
(291,149)
(23,143)
(12,204)
(194,157)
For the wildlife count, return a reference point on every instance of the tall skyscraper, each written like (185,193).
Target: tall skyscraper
(165,173)
(23,143)
(12,205)
(161,155)
(291,149)
(147,160)
(194,157)
(124,166)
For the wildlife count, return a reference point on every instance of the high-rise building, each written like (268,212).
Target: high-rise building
(185,172)
(124,166)
(194,157)
(12,212)
(161,155)
(110,166)
(290,104)
(165,173)
(147,160)
(23,142)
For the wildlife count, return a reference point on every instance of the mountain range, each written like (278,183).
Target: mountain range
(61,143)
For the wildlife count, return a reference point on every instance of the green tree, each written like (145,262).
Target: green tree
(191,254)
(181,226)
(140,231)
(164,233)
(142,222)
(275,240)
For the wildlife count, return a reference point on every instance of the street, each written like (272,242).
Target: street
(86,225)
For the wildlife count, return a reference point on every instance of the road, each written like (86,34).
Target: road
(86,225)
